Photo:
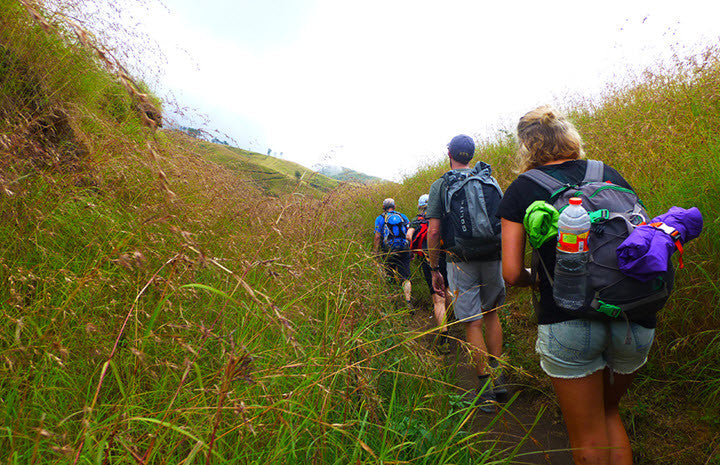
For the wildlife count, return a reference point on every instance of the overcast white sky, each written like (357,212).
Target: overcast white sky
(381,86)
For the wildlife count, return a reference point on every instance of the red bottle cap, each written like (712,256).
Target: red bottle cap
(575,201)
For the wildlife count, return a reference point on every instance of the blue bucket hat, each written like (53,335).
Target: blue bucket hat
(462,148)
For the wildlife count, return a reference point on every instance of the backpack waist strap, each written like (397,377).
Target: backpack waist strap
(616,310)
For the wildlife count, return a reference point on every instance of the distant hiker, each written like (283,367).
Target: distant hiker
(390,237)
(461,212)
(417,237)
(591,361)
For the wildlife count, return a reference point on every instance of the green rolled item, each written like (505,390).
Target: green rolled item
(540,222)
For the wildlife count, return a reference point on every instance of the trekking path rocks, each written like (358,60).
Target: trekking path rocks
(544,439)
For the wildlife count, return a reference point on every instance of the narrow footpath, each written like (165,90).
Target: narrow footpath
(530,419)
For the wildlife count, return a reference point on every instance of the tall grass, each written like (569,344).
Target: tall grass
(243,331)
(159,309)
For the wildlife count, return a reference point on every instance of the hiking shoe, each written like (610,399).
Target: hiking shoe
(500,387)
(442,343)
(485,400)
(442,346)
(409,308)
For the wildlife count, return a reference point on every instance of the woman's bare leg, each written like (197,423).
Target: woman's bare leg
(582,403)
(620,450)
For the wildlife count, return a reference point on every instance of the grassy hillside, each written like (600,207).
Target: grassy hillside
(290,171)
(269,174)
(346,174)
(160,307)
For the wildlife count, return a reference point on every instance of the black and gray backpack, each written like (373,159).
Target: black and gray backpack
(614,212)
(471,230)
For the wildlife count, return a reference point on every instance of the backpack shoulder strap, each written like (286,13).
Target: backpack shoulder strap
(448,187)
(594,171)
(535,263)
(444,188)
(544,180)
(395,214)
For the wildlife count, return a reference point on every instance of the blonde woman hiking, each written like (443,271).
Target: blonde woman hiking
(591,363)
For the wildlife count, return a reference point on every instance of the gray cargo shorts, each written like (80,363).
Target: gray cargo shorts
(478,287)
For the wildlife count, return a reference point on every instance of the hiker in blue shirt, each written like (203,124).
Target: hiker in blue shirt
(417,237)
(589,365)
(390,238)
(473,267)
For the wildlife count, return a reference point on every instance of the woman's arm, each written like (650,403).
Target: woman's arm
(513,254)
(409,234)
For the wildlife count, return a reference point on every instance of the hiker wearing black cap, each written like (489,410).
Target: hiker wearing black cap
(417,237)
(461,213)
(390,238)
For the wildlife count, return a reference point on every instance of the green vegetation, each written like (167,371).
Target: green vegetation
(347,175)
(161,307)
(271,174)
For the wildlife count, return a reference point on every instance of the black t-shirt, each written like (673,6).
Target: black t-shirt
(417,221)
(518,197)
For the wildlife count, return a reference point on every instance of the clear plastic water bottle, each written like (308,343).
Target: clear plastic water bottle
(572,255)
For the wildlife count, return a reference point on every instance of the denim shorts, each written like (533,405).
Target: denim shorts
(578,348)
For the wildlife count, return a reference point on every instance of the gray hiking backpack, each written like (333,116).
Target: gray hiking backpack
(614,212)
(471,231)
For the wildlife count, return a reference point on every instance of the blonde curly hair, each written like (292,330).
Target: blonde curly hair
(545,135)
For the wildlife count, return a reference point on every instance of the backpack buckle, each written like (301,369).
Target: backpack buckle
(609,309)
(667,229)
(598,216)
(674,234)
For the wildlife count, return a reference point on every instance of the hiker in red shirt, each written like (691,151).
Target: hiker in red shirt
(417,237)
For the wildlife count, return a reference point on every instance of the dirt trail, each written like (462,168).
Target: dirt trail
(544,439)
